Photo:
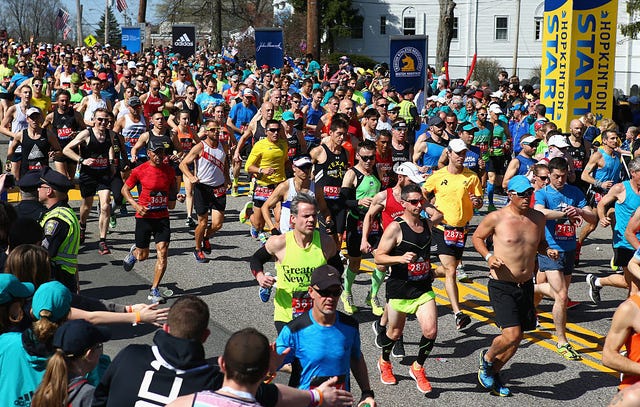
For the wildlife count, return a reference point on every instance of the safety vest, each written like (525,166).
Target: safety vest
(405,111)
(67,256)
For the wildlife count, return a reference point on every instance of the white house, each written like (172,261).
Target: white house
(492,23)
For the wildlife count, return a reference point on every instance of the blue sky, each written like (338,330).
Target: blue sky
(93,9)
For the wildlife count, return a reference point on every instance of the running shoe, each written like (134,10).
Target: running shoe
(200,257)
(577,259)
(123,210)
(130,259)
(572,304)
(234,191)
(386,372)
(613,265)
(499,389)
(486,377)
(103,248)
(253,232)
(347,301)
(245,213)
(113,221)
(491,208)
(206,246)
(462,320)
(190,222)
(462,275)
(374,302)
(155,296)
(377,330)
(594,290)
(568,352)
(83,233)
(262,237)
(417,374)
(398,348)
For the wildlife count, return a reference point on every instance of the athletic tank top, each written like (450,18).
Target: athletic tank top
(498,141)
(408,281)
(400,156)
(293,145)
(208,398)
(65,80)
(285,212)
(210,165)
(65,125)
(35,153)
(259,134)
(151,106)
(187,139)
(579,155)
(99,151)
(194,113)
(367,186)
(392,209)
(131,132)
(329,174)
(525,164)
(92,106)
(481,139)
(384,166)
(611,169)
(624,211)
(294,277)
(633,350)
(165,139)
(431,157)
(231,95)
(123,110)
(19,122)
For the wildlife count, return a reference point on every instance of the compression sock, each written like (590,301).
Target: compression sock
(387,345)
(490,193)
(349,278)
(376,281)
(426,345)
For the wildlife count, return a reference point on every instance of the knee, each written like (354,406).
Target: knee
(430,332)
(394,334)
(105,207)
(561,296)
(513,336)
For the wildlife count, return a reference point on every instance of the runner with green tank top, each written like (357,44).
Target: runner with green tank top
(360,184)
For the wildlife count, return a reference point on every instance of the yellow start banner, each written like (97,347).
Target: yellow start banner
(578,59)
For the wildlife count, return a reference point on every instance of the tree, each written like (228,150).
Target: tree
(31,18)
(337,17)
(115,34)
(445,31)
(632,29)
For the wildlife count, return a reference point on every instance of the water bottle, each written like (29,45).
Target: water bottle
(265,293)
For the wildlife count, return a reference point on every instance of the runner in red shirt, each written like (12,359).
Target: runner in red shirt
(157,181)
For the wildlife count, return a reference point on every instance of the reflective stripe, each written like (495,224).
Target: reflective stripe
(67,256)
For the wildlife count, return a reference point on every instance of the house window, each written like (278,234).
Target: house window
(409,26)
(538,28)
(383,25)
(454,34)
(502,28)
(357,28)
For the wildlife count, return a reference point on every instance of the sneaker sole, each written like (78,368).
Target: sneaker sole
(375,336)
(413,376)
(497,393)
(382,381)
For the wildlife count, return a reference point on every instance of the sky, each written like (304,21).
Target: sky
(93,10)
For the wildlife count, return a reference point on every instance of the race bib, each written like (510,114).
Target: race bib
(565,231)
(420,270)
(316,381)
(454,236)
(577,165)
(158,201)
(100,162)
(64,133)
(262,193)
(220,191)
(186,144)
(331,192)
(301,302)
(374,227)
(35,166)
(497,142)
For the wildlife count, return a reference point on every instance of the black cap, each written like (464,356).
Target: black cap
(435,121)
(30,180)
(399,123)
(55,180)
(408,91)
(325,276)
(77,336)
(154,145)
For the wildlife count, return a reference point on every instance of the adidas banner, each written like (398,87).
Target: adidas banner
(184,40)
(269,49)
(408,61)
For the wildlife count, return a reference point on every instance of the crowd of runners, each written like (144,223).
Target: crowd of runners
(339,166)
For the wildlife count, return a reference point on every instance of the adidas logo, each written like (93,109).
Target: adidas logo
(183,41)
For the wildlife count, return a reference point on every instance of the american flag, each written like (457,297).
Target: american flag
(121,5)
(62,18)
(66,32)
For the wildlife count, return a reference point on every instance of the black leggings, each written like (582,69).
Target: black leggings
(116,189)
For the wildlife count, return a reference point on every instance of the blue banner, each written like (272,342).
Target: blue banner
(408,61)
(269,47)
(131,38)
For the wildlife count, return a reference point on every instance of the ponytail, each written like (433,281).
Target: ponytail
(52,391)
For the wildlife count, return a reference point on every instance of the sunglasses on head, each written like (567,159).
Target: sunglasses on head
(329,292)
(523,194)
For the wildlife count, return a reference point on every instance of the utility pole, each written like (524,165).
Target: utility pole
(79,23)
(142,12)
(313,43)
(106,23)
(515,48)
(216,25)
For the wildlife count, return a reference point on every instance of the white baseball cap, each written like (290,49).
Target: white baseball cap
(410,170)
(457,145)
(558,141)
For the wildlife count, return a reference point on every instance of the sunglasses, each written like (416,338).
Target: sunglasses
(367,158)
(383,105)
(102,119)
(273,129)
(329,292)
(543,178)
(524,194)
(414,202)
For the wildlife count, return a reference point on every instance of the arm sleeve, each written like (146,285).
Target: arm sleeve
(348,197)
(259,258)
(336,262)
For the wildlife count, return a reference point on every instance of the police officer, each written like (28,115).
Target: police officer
(61,227)
(29,207)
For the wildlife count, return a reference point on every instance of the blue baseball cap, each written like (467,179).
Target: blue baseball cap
(77,336)
(519,184)
(11,288)
(53,297)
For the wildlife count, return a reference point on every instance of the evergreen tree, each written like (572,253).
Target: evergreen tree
(115,34)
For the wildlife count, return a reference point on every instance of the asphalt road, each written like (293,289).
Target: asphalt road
(537,375)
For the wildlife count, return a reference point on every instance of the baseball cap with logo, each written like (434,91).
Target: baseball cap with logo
(457,145)
(558,141)
(325,276)
(409,170)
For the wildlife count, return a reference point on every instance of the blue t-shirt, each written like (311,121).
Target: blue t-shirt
(323,351)
(204,100)
(560,233)
(242,115)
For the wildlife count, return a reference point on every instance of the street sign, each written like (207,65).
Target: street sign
(90,40)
